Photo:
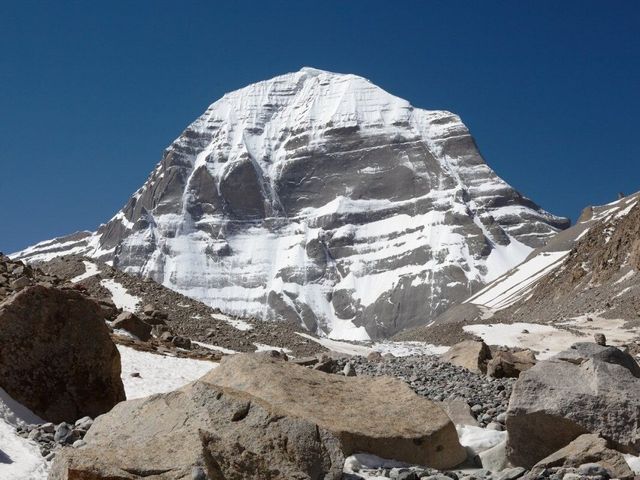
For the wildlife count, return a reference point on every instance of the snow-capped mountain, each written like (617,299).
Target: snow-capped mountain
(320,198)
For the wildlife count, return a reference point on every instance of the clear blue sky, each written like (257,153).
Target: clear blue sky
(92,92)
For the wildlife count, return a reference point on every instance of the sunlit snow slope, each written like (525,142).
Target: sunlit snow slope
(322,199)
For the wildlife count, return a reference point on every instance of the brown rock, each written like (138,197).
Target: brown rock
(375,357)
(56,356)
(588,448)
(470,354)
(257,417)
(131,323)
(509,364)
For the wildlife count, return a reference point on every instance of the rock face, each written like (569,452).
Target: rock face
(587,448)
(510,364)
(258,417)
(56,356)
(587,389)
(321,198)
(470,354)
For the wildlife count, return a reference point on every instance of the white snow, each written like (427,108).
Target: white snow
(90,269)
(120,296)
(398,349)
(516,283)
(625,211)
(633,462)
(20,459)
(338,346)
(158,373)
(234,322)
(346,330)
(406,349)
(216,348)
(479,439)
(261,347)
(549,340)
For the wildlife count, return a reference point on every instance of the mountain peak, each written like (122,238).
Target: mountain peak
(320,198)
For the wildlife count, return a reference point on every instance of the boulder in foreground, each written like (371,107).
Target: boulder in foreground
(586,389)
(257,417)
(56,355)
(587,448)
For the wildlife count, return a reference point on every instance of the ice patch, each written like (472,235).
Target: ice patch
(479,439)
(90,269)
(120,296)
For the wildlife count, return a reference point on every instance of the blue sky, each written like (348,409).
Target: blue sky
(92,92)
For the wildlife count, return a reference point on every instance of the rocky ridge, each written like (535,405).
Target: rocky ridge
(180,315)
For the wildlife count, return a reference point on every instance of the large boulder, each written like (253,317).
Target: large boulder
(586,389)
(470,354)
(587,448)
(259,417)
(56,355)
(510,364)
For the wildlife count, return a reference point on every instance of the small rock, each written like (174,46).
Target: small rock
(593,469)
(600,339)
(79,443)
(181,342)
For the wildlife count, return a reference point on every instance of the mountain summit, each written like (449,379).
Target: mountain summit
(319,198)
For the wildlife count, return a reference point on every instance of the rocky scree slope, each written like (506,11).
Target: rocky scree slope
(322,199)
(180,315)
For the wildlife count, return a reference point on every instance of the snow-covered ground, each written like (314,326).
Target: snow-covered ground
(20,458)
(398,349)
(158,373)
(90,269)
(120,296)
(549,340)
(234,322)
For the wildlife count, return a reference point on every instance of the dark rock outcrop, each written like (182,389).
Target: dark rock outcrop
(56,356)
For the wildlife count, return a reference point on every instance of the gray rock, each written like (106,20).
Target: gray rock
(588,388)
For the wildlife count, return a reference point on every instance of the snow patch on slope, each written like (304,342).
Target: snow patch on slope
(90,269)
(516,283)
(158,373)
(120,296)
